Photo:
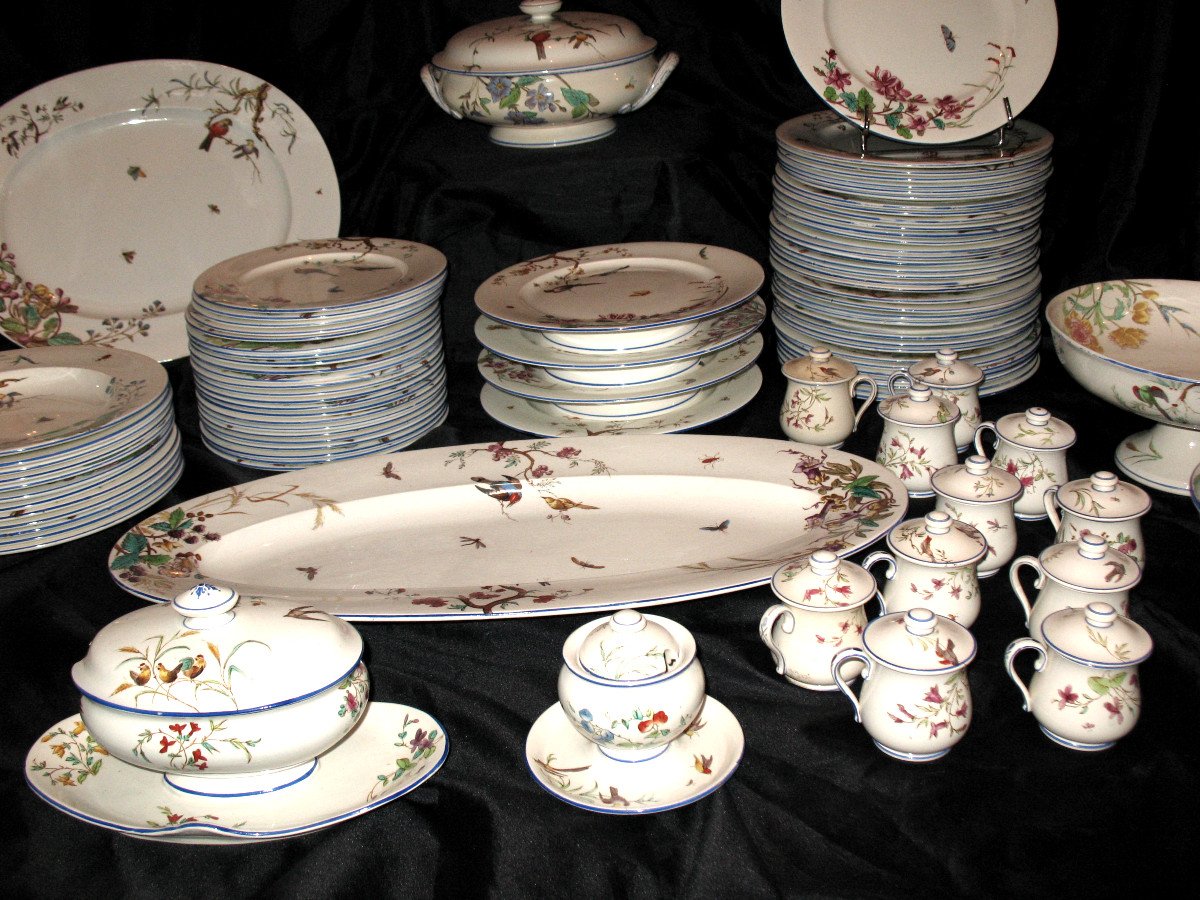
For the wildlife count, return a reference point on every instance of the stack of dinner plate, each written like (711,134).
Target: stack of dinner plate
(887,255)
(318,350)
(652,337)
(87,438)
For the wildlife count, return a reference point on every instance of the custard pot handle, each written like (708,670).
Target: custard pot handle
(840,659)
(767,623)
(979,430)
(1050,501)
(1014,577)
(880,556)
(872,393)
(1010,655)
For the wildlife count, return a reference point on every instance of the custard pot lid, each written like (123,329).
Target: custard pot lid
(544,38)
(1091,564)
(823,581)
(819,366)
(918,640)
(211,651)
(1098,635)
(1103,495)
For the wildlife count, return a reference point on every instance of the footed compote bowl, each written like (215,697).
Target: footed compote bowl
(1136,344)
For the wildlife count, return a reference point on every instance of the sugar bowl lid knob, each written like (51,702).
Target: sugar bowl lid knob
(628,647)
(206,605)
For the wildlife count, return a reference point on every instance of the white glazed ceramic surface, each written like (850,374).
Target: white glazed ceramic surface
(982,495)
(917,437)
(209,688)
(394,749)
(631,683)
(1032,446)
(933,73)
(1073,574)
(1085,692)
(1100,504)
(1133,343)
(547,80)
(572,768)
(140,175)
(915,701)
(421,534)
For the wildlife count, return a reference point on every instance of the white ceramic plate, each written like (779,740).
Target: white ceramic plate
(620,287)
(394,749)
(933,72)
(511,528)
(120,184)
(695,764)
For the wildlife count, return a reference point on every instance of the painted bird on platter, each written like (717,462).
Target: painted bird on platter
(217,129)
(504,491)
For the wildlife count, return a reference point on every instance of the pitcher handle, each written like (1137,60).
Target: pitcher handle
(1014,577)
(979,430)
(767,623)
(840,659)
(880,556)
(872,393)
(1010,655)
(1050,501)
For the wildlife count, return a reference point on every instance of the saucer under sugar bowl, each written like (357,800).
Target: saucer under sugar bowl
(1085,692)
(958,380)
(918,435)
(819,405)
(1073,574)
(932,565)
(822,611)
(914,701)
(1103,505)
(631,683)
(1033,446)
(221,696)
(982,495)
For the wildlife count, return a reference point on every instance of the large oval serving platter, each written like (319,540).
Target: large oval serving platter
(518,528)
(120,184)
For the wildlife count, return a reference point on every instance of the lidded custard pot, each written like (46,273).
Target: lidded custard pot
(548,77)
(222,695)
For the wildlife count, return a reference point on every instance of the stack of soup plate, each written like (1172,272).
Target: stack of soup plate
(318,350)
(87,439)
(887,255)
(651,337)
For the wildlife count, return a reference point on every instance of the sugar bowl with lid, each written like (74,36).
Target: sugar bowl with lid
(547,78)
(1085,692)
(982,495)
(932,565)
(918,434)
(1073,574)
(822,611)
(915,701)
(818,407)
(631,683)
(1033,446)
(1101,504)
(222,696)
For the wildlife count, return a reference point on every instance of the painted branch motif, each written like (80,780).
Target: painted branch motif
(29,124)
(184,745)
(943,707)
(1118,312)
(79,756)
(412,760)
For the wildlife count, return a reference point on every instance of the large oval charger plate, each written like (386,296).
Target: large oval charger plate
(932,72)
(120,184)
(518,528)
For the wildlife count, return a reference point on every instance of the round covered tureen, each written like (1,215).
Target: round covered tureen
(547,78)
(631,683)
(222,695)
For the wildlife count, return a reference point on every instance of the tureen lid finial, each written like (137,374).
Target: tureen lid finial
(206,605)
(541,10)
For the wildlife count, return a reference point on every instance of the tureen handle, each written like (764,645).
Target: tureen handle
(767,623)
(435,90)
(666,66)
(1017,646)
(841,658)
(1014,576)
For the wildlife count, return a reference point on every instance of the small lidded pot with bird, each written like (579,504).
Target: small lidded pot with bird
(915,701)
(1103,505)
(819,405)
(223,697)
(1085,692)
(918,435)
(1033,446)
(957,380)
(822,611)
(982,495)
(631,683)
(1071,575)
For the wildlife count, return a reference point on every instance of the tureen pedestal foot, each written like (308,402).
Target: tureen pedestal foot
(241,785)
(1162,457)
(552,135)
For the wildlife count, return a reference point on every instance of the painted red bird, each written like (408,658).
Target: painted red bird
(539,41)
(218,128)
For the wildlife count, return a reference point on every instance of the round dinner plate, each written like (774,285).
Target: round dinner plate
(932,72)
(120,183)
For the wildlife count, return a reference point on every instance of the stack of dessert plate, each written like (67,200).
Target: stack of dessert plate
(87,438)
(887,255)
(318,350)
(643,337)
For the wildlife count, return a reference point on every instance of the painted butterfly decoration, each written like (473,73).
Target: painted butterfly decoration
(948,37)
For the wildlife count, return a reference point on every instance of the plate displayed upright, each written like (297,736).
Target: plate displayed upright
(119,184)
(932,72)
(517,528)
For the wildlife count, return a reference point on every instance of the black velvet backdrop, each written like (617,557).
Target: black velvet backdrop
(814,808)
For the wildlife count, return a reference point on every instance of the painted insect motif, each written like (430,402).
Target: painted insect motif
(948,37)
